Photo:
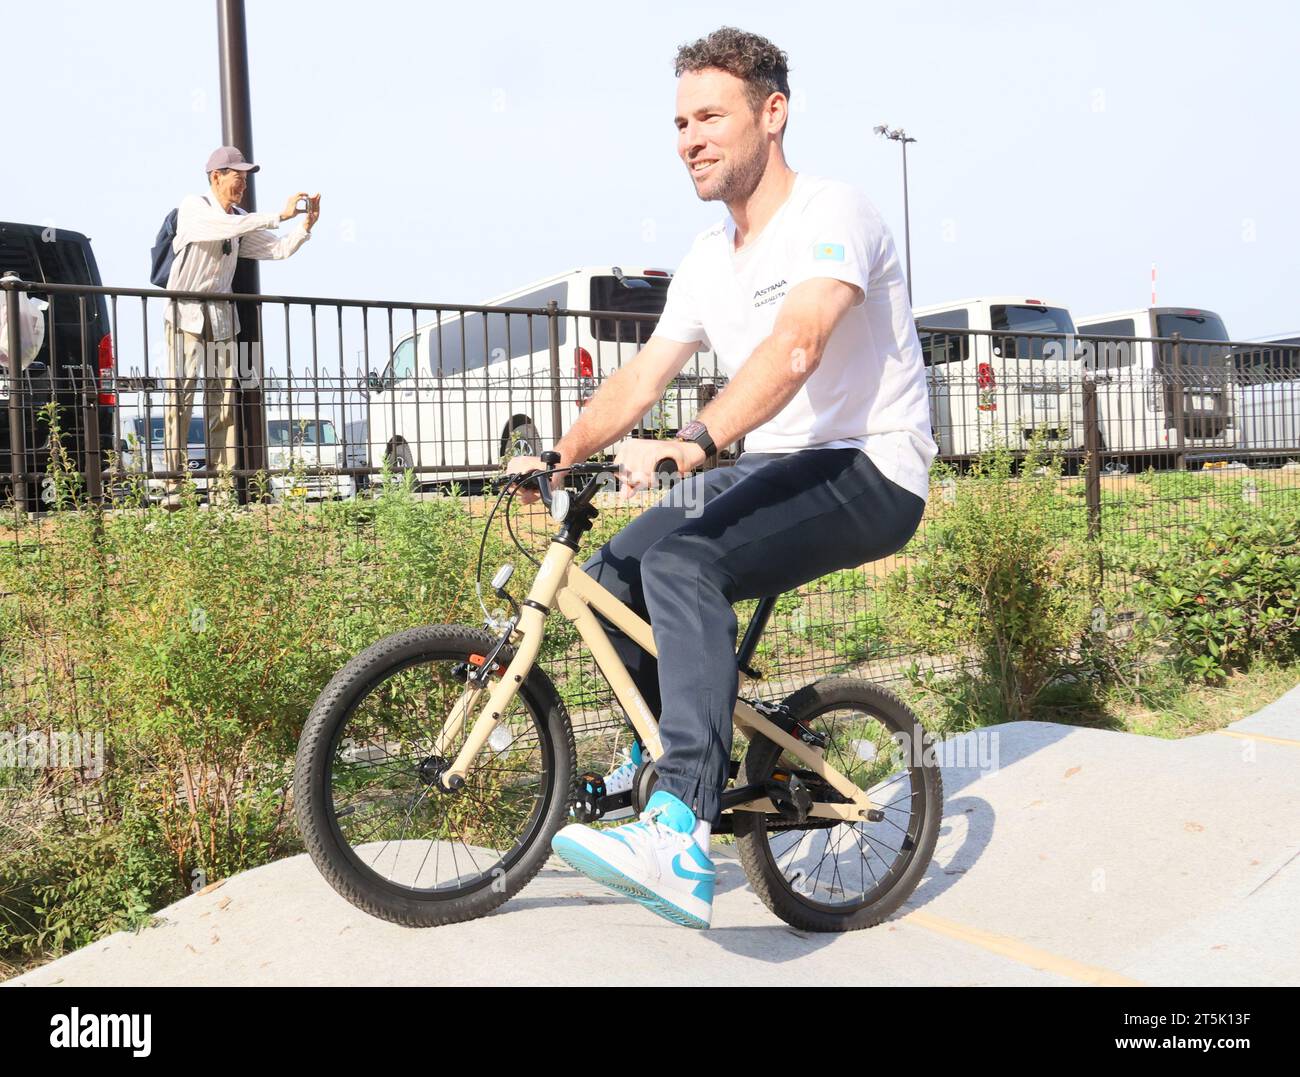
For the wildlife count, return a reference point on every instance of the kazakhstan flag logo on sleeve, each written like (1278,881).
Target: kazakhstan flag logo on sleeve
(828,252)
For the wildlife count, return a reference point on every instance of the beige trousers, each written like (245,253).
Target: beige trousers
(194,357)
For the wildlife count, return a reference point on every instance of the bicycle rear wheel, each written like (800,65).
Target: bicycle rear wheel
(824,875)
(375,820)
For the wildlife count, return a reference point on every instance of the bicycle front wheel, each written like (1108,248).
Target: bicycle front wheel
(376,821)
(825,875)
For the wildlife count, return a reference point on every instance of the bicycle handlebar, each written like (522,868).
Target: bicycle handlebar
(511,484)
(542,478)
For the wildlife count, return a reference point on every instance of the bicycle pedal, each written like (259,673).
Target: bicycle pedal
(593,803)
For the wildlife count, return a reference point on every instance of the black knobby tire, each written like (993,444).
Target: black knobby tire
(770,848)
(401,460)
(395,695)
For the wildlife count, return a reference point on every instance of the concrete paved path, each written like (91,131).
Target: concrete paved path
(1066,856)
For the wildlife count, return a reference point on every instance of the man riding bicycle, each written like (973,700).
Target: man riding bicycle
(801,295)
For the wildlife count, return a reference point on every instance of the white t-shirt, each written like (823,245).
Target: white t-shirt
(869,390)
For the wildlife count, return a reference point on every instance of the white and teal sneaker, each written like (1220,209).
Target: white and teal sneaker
(661,860)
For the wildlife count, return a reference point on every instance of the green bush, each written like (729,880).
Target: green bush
(195,643)
(77,884)
(1178,484)
(1000,579)
(1226,592)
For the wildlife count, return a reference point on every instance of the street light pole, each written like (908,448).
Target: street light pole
(237,131)
(236,106)
(901,136)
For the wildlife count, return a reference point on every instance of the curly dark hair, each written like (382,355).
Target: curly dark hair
(756,61)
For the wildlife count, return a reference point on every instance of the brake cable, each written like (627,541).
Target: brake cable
(509,489)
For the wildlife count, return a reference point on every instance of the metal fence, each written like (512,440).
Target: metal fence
(330,394)
(346,388)
(442,391)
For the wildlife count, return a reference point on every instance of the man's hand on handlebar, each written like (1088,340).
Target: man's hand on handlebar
(521,465)
(637,459)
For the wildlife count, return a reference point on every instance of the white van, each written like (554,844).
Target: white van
(300,441)
(1268,398)
(1140,377)
(465,391)
(133,460)
(989,385)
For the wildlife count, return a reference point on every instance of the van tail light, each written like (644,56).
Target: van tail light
(107,381)
(986,383)
(585,373)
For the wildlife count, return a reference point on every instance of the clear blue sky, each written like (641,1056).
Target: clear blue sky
(465,149)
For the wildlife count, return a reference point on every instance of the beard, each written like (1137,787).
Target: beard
(737,179)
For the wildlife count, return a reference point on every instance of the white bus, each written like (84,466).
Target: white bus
(1139,383)
(991,386)
(465,391)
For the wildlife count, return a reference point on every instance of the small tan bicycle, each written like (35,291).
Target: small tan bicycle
(436,765)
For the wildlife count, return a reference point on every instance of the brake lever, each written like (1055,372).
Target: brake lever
(543,480)
(551,459)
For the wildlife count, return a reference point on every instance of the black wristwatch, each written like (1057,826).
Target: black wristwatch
(697,432)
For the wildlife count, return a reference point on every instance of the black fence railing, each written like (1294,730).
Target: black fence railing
(340,389)
(327,395)
(442,391)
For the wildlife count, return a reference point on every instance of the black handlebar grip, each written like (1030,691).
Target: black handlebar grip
(544,486)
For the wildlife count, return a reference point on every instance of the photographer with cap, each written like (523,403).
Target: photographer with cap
(212,233)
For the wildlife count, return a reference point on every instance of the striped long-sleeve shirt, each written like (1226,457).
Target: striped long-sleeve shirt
(202,265)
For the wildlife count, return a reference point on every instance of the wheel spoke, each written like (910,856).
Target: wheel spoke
(866,859)
(833,868)
(387,799)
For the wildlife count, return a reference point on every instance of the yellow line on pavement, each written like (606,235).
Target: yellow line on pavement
(1257,736)
(1021,952)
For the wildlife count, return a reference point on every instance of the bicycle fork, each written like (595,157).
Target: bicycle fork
(528,631)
